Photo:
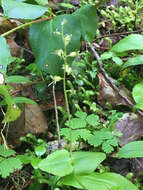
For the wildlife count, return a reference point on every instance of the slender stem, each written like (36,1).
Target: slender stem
(68,110)
(24,25)
(56,115)
(65,91)
(3,138)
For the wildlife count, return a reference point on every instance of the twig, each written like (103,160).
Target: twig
(119,34)
(25,24)
(14,92)
(130,104)
(56,114)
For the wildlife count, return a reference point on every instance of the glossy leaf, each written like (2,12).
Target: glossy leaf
(17,9)
(88,20)
(134,61)
(131,42)
(21,100)
(40,150)
(87,162)
(16,79)
(48,33)
(57,163)
(131,150)
(51,41)
(101,181)
(137,94)
(4,55)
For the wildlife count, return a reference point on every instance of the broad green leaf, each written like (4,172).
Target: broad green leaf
(4,55)
(87,162)
(88,20)
(12,113)
(137,94)
(6,152)
(131,42)
(9,165)
(17,9)
(99,181)
(16,79)
(21,100)
(131,150)
(57,163)
(133,61)
(40,150)
(93,119)
(47,33)
(35,162)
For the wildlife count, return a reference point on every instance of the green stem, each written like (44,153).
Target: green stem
(3,138)
(24,25)
(68,110)
(65,91)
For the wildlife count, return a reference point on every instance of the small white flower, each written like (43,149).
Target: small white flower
(59,52)
(15,106)
(1,78)
(64,22)
(67,39)
(68,69)
(73,54)
(57,78)
(57,32)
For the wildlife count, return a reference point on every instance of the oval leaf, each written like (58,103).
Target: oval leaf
(131,150)
(4,55)
(21,100)
(16,79)
(40,150)
(99,181)
(131,42)
(51,41)
(84,159)
(88,20)
(57,163)
(17,9)
(134,61)
(137,94)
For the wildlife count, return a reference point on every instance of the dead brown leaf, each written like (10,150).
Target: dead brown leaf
(108,94)
(32,121)
(131,126)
